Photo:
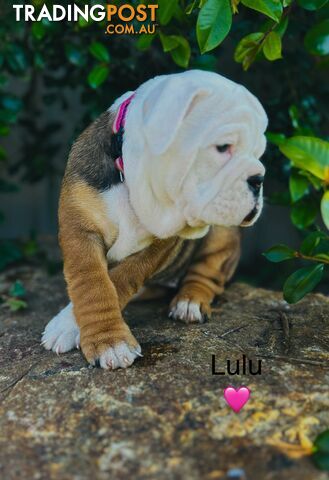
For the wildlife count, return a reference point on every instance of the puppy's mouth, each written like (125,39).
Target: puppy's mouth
(250,217)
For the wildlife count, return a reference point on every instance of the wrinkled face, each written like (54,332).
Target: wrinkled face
(225,184)
(197,159)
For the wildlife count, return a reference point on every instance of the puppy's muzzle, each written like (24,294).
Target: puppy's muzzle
(250,217)
(255,184)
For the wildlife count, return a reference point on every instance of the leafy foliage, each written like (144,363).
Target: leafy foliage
(309,157)
(14,298)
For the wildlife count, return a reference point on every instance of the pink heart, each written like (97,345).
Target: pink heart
(236,399)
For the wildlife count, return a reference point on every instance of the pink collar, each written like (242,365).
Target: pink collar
(118,128)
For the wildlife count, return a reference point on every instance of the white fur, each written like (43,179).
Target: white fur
(62,333)
(132,235)
(187,311)
(120,356)
(174,174)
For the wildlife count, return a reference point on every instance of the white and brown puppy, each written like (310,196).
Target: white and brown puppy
(190,156)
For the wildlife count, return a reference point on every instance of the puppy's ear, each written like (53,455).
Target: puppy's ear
(165,108)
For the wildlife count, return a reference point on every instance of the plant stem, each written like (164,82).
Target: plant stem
(313,259)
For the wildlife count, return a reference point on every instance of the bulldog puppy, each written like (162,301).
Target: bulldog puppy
(155,190)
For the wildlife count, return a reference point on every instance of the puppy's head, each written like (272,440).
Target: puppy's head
(191,150)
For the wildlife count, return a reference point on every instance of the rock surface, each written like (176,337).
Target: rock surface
(165,417)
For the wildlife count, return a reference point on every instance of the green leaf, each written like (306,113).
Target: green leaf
(98,75)
(271,8)
(321,442)
(15,304)
(324,257)
(308,153)
(144,41)
(279,253)
(166,10)
(189,9)
(272,46)
(213,24)
(316,182)
(83,23)
(321,460)
(38,30)
(282,26)
(75,55)
(182,54)
(248,48)
(276,138)
(317,39)
(311,242)
(321,451)
(17,289)
(178,47)
(312,4)
(303,213)
(247,43)
(321,250)
(99,51)
(169,42)
(298,186)
(325,208)
(301,282)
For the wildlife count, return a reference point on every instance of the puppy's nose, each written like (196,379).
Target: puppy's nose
(255,182)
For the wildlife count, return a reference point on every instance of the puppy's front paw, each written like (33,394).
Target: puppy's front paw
(62,333)
(120,355)
(189,311)
(111,350)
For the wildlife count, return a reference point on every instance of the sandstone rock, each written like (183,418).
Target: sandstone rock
(165,417)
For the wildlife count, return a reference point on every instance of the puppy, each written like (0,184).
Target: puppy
(154,191)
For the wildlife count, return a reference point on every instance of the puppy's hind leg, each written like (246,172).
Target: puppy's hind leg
(62,333)
(213,266)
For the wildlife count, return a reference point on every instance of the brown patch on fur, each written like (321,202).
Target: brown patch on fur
(97,295)
(151,293)
(213,265)
(91,158)
(85,236)
(130,274)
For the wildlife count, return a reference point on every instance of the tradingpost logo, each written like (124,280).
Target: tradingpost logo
(123,19)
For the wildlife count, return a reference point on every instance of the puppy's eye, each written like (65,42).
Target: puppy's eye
(223,148)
